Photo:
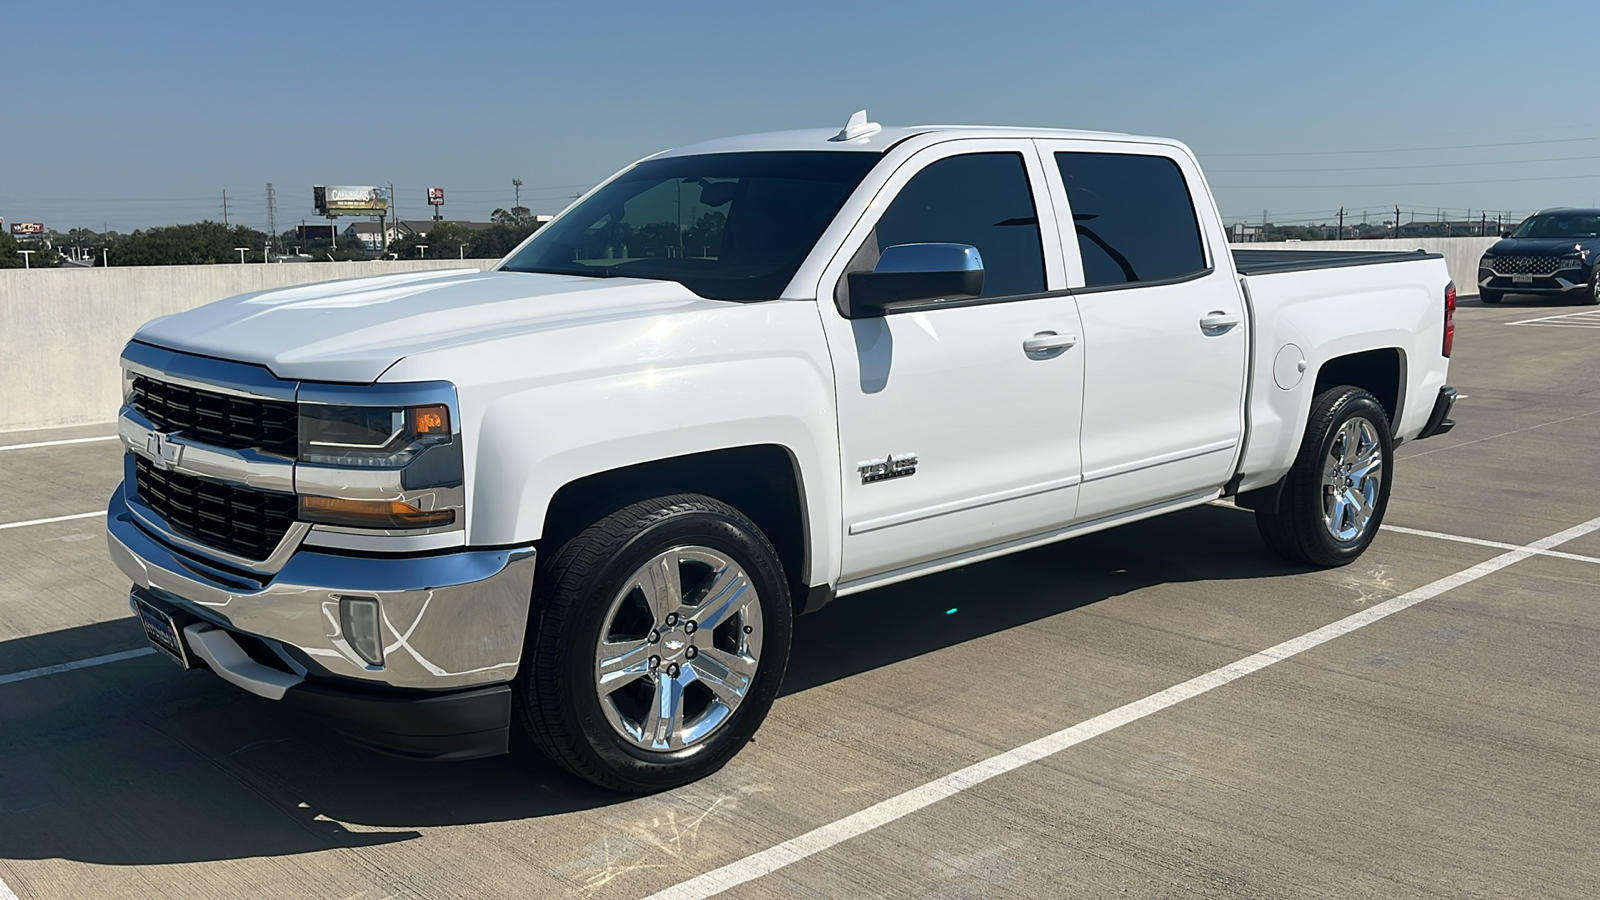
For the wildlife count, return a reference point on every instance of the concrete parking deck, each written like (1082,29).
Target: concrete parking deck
(1441,745)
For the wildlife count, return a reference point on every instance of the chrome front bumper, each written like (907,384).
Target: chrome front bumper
(450,620)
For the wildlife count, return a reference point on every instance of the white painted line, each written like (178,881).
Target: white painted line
(812,842)
(58,668)
(87,515)
(1483,543)
(6,892)
(1585,319)
(1500,435)
(37,444)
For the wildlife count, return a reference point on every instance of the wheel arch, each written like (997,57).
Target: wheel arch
(763,481)
(1381,372)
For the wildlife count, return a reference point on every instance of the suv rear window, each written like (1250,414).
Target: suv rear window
(1134,218)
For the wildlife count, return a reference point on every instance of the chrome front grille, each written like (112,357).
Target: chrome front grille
(222,420)
(1523,265)
(240,520)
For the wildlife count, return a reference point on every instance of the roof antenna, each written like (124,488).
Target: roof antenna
(857,127)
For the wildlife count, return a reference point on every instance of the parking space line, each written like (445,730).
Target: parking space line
(1594,412)
(1460,539)
(87,515)
(38,444)
(58,668)
(1586,319)
(876,816)
(6,892)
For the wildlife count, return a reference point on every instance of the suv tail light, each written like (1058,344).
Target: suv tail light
(1449,317)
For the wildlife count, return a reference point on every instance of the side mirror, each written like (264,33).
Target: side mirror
(1505,234)
(908,272)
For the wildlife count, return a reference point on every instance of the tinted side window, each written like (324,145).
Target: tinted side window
(1134,217)
(982,199)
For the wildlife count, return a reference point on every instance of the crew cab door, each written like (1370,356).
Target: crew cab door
(1164,325)
(952,435)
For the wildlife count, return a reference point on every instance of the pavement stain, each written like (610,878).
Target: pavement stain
(1372,584)
(668,837)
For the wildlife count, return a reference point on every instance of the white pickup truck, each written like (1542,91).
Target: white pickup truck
(576,500)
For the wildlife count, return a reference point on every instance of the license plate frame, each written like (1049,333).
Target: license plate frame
(161,630)
(1522,278)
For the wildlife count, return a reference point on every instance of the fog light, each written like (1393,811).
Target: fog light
(360,618)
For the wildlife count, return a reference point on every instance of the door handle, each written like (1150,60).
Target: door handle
(1047,344)
(1218,322)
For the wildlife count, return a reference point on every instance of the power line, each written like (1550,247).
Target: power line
(1244,187)
(1507,162)
(1408,149)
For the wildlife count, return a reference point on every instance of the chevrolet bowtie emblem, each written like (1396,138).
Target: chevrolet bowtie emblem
(162,451)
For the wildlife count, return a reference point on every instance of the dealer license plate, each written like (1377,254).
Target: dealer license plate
(1522,278)
(161,630)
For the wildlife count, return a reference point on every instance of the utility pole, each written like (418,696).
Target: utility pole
(224,207)
(516,186)
(272,215)
(1341,224)
(1397,220)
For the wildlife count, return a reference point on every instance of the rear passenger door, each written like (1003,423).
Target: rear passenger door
(1164,328)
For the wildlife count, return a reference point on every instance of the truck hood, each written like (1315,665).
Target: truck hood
(353,330)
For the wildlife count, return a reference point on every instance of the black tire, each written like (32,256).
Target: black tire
(1298,530)
(1591,297)
(556,701)
(1490,297)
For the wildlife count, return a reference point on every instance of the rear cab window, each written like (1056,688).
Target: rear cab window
(1134,217)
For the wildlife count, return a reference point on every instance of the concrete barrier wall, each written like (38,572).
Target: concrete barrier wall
(62,330)
(1460,254)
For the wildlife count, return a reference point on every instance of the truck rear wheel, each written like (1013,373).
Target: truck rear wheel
(1334,497)
(659,639)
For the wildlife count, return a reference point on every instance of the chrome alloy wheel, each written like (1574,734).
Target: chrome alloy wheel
(1351,478)
(678,648)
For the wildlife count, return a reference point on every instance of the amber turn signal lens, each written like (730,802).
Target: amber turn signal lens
(372,513)
(431,419)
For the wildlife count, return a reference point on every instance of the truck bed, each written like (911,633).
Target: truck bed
(1267,262)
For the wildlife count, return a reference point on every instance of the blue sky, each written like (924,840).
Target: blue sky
(142,114)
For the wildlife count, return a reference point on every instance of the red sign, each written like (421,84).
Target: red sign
(27,228)
(435,196)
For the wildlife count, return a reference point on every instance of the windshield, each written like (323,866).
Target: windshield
(728,226)
(1566,225)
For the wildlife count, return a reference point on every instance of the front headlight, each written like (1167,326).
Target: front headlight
(1487,262)
(370,436)
(1570,262)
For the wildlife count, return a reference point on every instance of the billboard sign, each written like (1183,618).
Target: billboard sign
(435,196)
(314,232)
(27,228)
(350,200)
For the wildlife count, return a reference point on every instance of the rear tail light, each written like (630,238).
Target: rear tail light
(1449,317)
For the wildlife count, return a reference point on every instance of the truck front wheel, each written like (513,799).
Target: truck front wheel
(659,639)
(1333,499)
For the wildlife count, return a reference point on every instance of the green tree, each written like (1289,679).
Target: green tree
(444,240)
(44,256)
(201,243)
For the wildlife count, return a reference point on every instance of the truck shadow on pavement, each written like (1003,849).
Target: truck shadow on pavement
(136,763)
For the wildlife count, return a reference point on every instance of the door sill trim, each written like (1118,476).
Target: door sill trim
(906,573)
(955,506)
